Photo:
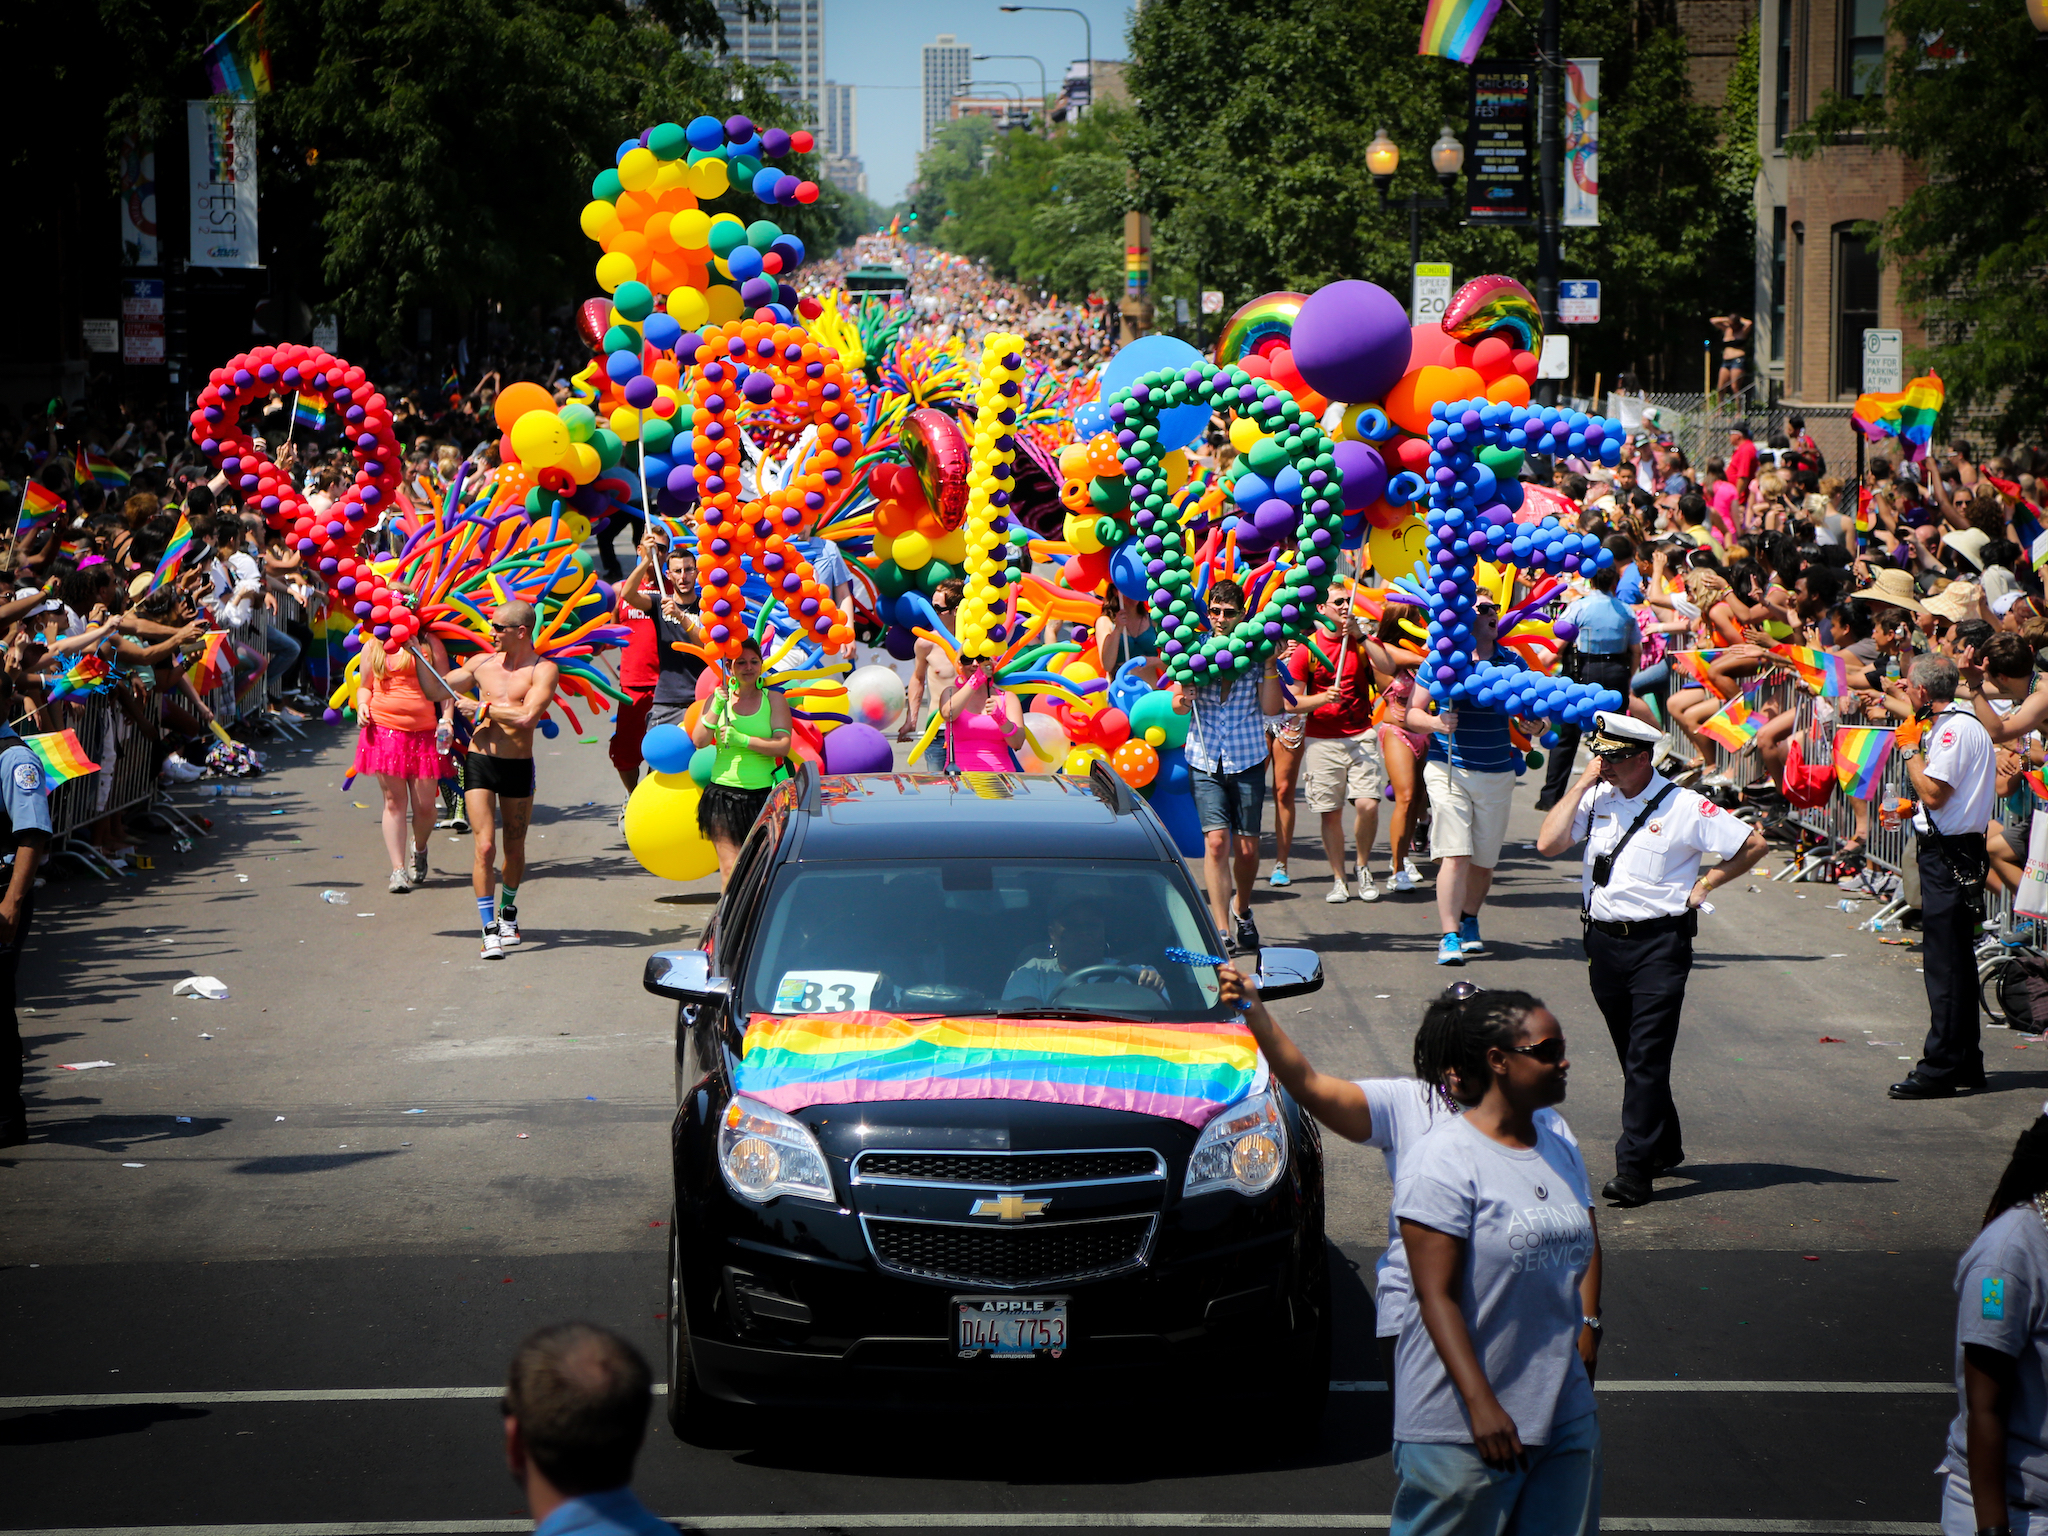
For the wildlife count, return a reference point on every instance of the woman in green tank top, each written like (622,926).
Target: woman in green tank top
(750,727)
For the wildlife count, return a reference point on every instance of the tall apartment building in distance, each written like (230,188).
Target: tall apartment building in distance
(796,37)
(839,139)
(948,65)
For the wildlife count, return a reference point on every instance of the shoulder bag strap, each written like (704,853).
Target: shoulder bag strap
(1614,854)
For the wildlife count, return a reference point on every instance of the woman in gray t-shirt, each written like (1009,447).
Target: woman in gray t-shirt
(1493,1366)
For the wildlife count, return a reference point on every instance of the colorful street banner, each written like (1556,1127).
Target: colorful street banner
(221,142)
(1582,142)
(1180,1071)
(1860,754)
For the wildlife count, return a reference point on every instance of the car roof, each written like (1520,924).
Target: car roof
(973,815)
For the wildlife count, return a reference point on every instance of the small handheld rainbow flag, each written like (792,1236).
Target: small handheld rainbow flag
(174,552)
(39,507)
(2037,784)
(209,671)
(88,674)
(1735,725)
(1860,754)
(1694,664)
(1820,670)
(1908,415)
(1455,29)
(98,467)
(63,758)
(310,413)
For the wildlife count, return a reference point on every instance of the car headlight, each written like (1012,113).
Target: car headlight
(764,1153)
(1244,1148)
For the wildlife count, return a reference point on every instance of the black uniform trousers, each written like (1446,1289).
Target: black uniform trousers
(1601,672)
(1948,945)
(1638,983)
(12,1107)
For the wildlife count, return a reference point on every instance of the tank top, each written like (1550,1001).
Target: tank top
(1124,646)
(397,702)
(740,766)
(677,681)
(978,746)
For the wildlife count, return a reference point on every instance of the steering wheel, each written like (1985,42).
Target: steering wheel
(1095,973)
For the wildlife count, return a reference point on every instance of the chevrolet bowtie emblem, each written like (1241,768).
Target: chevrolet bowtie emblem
(1010,1208)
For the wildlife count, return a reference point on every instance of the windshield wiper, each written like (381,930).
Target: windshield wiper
(1065,1013)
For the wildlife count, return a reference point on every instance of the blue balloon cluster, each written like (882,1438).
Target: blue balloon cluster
(1471,518)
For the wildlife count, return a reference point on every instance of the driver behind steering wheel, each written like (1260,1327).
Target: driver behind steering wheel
(1079,934)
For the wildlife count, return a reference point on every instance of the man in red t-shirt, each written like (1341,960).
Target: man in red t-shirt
(1333,676)
(639,671)
(1741,461)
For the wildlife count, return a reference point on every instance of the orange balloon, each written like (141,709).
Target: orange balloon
(661,237)
(690,718)
(1512,390)
(634,244)
(1465,383)
(1408,402)
(634,209)
(1136,762)
(515,400)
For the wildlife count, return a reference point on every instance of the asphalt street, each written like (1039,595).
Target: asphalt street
(318,1215)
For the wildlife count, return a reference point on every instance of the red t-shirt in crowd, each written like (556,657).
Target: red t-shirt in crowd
(1742,462)
(640,666)
(1350,713)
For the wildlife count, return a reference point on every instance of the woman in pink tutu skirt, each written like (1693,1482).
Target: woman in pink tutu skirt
(405,740)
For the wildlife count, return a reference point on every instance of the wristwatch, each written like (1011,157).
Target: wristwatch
(1593,1323)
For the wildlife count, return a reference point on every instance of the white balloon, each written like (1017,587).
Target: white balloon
(876,696)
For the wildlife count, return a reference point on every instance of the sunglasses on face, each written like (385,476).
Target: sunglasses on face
(1550,1052)
(504,629)
(1485,613)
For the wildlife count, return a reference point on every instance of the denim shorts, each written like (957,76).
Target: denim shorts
(1234,802)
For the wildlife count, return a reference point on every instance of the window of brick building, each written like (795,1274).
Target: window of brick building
(1863,48)
(1783,118)
(1777,285)
(1855,305)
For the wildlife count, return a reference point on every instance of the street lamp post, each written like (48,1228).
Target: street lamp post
(974,85)
(1085,22)
(986,58)
(1446,158)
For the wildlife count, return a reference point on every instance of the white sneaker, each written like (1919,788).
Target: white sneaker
(1337,894)
(1367,891)
(401,882)
(508,926)
(1404,881)
(494,947)
(419,866)
(1411,871)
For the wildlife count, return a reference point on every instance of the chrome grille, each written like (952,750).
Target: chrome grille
(1051,1254)
(1012,1170)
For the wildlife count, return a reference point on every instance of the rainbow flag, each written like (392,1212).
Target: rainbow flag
(1694,664)
(1908,415)
(1735,725)
(310,414)
(39,507)
(174,552)
(210,671)
(1179,1071)
(240,69)
(63,758)
(99,468)
(88,674)
(2037,784)
(1454,29)
(1820,670)
(1860,753)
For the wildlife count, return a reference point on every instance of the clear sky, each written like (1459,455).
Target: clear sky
(875,43)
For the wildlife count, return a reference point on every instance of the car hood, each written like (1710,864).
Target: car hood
(990,1125)
(1178,1071)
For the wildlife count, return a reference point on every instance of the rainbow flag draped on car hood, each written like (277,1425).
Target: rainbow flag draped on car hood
(1176,1071)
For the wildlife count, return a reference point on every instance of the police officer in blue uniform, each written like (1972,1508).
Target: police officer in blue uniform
(26,840)
(1607,652)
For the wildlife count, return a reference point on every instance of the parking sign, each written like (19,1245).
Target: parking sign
(1884,362)
(1578,301)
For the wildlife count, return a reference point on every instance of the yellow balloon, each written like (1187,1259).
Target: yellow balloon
(1081,759)
(1073,457)
(626,422)
(673,174)
(913,551)
(540,439)
(885,546)
(1155,737)
(726,304)
(952,548)
(1080,532)
(661,828)
(708,177)
(582,463)
(599,219)
(1243,433)
(692,229)
(574,526)
(638,169)
(687,307)
(1176,466)
(1395,550)
(614,268)
(1080,672)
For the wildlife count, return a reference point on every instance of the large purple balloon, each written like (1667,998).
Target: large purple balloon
(857,748)
(1351,341)
(1365,474)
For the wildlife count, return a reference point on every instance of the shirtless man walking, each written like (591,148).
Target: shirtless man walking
(515,688)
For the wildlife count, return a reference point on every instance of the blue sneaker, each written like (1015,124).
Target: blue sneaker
(1279,876)
(1450,951)
(1468,936)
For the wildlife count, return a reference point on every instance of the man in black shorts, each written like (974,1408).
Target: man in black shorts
(516,687)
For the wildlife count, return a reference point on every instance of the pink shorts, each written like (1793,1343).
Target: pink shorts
(400,754)
(1417,742)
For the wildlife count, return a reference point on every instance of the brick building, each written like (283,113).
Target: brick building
(1818,282)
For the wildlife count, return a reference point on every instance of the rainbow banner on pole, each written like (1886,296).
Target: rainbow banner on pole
(62,757)
(1860,754)
(240,68)
(1455,29)
(1178,1071)
(1908,415)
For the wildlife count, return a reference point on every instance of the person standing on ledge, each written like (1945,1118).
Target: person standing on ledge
(1640,895)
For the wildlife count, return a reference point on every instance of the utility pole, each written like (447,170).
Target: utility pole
(1136,308)
(1547,166)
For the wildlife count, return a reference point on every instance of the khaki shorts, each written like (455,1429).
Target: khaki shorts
(1337,769)
(1468,813)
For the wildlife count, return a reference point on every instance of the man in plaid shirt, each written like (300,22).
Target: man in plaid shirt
(1226,752)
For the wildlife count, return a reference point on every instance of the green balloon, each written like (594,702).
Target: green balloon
(606,186)
(743,170)
(761,234)
(727,237)
(656,435)
(891,580)
(622,338)
(703,763)
(668,141)
(609,446)
(634,301)
(1154,711)
(1109,495)
(1506,463)
(934,573)
(580,419)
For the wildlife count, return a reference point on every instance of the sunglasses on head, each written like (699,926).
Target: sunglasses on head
(1550,1052)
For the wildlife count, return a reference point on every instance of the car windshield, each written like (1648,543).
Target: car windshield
(983,936)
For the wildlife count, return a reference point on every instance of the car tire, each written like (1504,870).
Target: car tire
(689,1408)
(1305,1387)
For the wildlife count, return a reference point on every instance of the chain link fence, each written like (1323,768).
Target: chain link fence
(1699,424)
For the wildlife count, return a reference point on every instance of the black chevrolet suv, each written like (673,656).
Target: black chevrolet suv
(1016,1242)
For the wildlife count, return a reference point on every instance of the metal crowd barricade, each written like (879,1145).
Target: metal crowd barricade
(127,776)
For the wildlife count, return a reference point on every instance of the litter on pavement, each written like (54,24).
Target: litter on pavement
(85,1066)
(202,986)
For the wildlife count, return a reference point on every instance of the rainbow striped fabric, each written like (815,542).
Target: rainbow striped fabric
(1908,415)
(213,667)
(1860,753)
(39,506)
(88,674)
(63,758)
(310,411)
(239,68)
(174,552)
(1822,671)
(1455,29)
(98,467)
(1177,1071)
(1735,724)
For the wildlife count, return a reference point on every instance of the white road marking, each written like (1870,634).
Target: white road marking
(1011,1520)
(432,1394)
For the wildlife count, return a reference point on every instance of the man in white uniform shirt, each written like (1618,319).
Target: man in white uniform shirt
(1952,767)
(1639,908)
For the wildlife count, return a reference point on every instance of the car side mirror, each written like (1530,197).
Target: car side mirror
(683,975)
(1287,972)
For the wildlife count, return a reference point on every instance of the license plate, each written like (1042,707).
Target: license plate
(1010,1327)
